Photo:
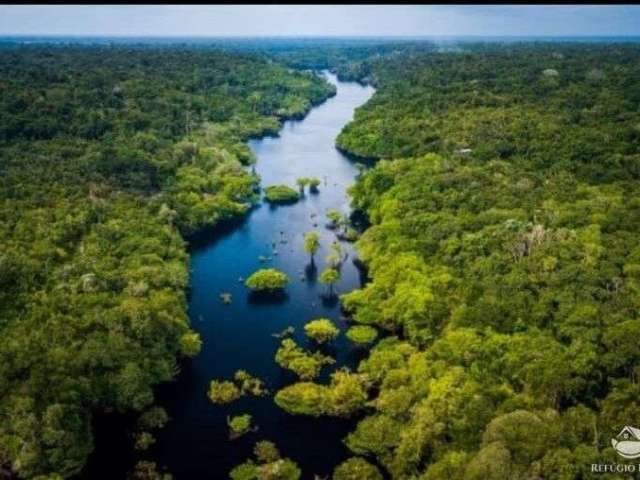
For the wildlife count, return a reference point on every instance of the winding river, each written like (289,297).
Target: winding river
(195,443)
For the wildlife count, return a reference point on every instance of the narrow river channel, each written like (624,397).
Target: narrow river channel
(195,444)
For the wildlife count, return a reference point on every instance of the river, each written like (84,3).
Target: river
(195,444)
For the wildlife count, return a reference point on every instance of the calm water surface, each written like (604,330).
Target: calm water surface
(195,444)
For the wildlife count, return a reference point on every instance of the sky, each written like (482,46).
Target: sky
(320,20)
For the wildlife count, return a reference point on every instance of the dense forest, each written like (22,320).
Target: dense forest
(502,251)
(109,158)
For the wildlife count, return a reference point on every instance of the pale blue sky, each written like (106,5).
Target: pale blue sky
(319,20)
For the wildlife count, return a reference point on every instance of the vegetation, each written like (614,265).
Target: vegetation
(336,218)
(356,468)
(239,425)
(311,244)
(329,276)
(503,255)
(362,334)
(334,259)
(250,385)
(223,392)
(314,183)
(306,365)
(267,280)
(109,156)
(346,395)
(321,330)
(503,249)
(302,182)
(281,194)
(268,465)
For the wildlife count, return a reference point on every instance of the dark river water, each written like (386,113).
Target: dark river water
(195,444)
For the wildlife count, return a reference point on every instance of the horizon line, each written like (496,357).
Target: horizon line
(328,36)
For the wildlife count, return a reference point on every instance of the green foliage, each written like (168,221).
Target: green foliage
(223,392)
(267,279)
(190,344)
(356,468)
(336,218)
(502,252)
(306,365)
(153,418)
(314,183)
(239,425)
(281,194)
(270,465)
(302,182)
(346,395)
(334,259)
(362,334)
(329,276)
(108,156)
(311,243)
(250,385)
(266,451)
(304,398)
(145,470)
(321,330)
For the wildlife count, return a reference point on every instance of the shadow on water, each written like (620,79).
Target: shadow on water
(311,273)
(329,300)
(267,298)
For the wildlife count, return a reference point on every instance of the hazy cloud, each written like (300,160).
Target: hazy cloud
(320,20)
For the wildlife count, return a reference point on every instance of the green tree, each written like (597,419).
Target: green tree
(311,244)
(302,182)
(223,392)
(268,279)
(314,183)
(306,365)
(321,330)
(356,468)
(329,276)
(362,334)
(239,425)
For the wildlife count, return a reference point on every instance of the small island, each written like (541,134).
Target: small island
(281,194)
(267,280)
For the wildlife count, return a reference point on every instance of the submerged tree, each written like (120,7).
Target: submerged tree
(239,425)
(223,392)
(329,276)
(311,244)
(250,385)
(334,259)
(336,218)
(302,182)
(314,183)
